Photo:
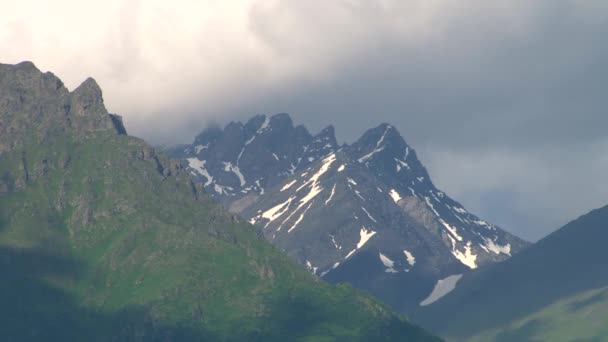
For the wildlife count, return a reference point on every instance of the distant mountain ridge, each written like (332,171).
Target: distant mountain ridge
(366,213)
(267,149)
(555,290)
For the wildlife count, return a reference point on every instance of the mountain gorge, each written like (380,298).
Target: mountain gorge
(365,213)
(104,239)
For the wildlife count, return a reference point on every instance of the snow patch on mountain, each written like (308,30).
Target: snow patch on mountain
(277,211)
(264,125)
(300,218)
(288,185)
(430,205)
(220,189)
(451,229)
(260,187)
(315,187)
(409,257)
(331,195)
(495,248)
(228,167)
(364,236)
(388,263)
(359,194)
(467,258)
(460,210)
(395,195)
(311,268)
(401,164)
(333,240)
(199,166)
(442,288)
(199,148)
(369,215)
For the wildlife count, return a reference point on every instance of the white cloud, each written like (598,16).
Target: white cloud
(156,57)
(150,56)
(506,75)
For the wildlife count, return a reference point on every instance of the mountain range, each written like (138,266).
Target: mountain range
(260,231)
(102,238)
(365,213)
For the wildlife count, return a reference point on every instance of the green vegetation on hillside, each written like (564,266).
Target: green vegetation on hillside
(577,318)
(101,239)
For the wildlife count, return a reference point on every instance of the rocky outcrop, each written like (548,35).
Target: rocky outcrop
(39,103)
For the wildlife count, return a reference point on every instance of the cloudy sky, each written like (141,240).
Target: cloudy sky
(505,101)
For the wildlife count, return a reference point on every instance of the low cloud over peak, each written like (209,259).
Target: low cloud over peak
(490,93)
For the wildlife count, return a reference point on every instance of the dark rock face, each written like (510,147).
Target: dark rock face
(244,159)
(366,213)
(118,124)
(39,103)
(36,109)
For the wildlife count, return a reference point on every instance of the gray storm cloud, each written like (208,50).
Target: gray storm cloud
(504,99)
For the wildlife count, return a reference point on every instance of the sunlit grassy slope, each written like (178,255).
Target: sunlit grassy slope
(101,239)
(577,318)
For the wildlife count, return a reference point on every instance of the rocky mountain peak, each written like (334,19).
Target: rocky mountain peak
(22,82)
(36,101)
(254,123)
(208,135)
(383,138)
(328,134)
(367,213)
(26,65)
(89,90)
(384,151)
(89,111)
(321,145)
(87,99)
(281,120)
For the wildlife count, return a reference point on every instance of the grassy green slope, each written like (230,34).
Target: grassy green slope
(101,239)
(581,317)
